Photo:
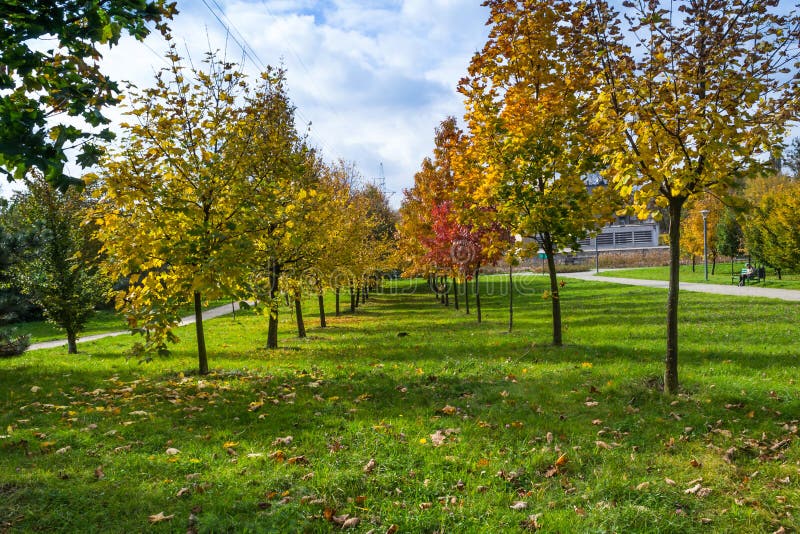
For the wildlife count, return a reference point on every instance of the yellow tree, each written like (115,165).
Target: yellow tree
(697,106)
(526,110)
(692,242)
(176,210)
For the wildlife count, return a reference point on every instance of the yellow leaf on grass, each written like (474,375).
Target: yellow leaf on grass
(230,444)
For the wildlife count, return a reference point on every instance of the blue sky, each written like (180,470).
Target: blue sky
(374,78)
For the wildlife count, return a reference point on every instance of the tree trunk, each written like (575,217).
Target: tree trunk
(671,359)
(466,295)
(713,264)
(693,262)
(364,292)
(72,341)
(555,297)
(298,309)
(321,302)
(202,357)
(446,292)
(337,302)
(455,292)
(272,332)
(510,297)
(477,294)
(358,294)
(352,298)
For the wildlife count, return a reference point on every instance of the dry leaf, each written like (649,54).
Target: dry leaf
(282,441)
(159,517)
(64,450)
(299,460)
(549,437)
(182,492)
(351,522)
(703,492)
(425,505)
(172,451)
(369,466)
(392,529)
(694,489)
(255,455)
(532,523)
(438,439)
(230,444)
(591,404)
(669,481)
(519,505)
(561,460)
(602,444)
(448,410)
(643,485)
(98,473)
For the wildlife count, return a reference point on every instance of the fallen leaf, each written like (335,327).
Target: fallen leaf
(64,450)
(602,444)
(392,529)
(669,481)
(448,410)
(282,441)
(438,439)
(642,486)
(98,473)
(230,444)
(561,460)
(519,505)
(369,466)
(159,517)
(694,489)
(532,523)
(172,451)
(591,404)
(182,492)
(299,460)
(351,522)
(255,455)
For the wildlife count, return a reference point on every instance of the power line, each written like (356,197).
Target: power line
(253,56)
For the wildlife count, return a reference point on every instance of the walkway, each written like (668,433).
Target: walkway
(207,314)
(719,289)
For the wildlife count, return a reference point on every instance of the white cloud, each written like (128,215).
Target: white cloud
(374,78)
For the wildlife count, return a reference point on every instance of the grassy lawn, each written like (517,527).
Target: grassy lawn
(455,427)
(103,321)
(722,275)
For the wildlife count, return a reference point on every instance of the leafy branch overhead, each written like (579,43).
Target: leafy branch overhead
(43,90)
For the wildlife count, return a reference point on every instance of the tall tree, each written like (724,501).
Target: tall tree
(526,110)
(177,207)
(60,271)
(37,85)
(772,227)
(706,94)
(693,226)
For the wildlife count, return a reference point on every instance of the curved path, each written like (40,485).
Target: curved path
(189,319)
(719,289)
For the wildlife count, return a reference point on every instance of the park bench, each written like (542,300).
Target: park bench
(758,275)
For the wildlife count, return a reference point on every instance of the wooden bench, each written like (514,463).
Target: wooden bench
(758,275)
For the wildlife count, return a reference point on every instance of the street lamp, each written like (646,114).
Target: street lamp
(704,213)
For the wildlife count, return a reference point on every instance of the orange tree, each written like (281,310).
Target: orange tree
(695,108)
(526,111)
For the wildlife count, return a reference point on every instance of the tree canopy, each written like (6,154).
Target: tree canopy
(50,75)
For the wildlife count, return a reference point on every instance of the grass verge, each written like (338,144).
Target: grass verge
(722,275)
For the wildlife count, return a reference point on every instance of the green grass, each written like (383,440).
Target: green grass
(721,276)
(505,406)
(102,321)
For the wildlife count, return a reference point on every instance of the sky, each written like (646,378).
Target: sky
(372,77)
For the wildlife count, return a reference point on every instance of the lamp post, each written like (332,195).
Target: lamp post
(704,213)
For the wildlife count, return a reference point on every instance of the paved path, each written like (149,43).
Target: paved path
(208,314)
(719,289)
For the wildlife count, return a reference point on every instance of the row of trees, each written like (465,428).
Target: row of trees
(211,193)
(214,193)
(668,101)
